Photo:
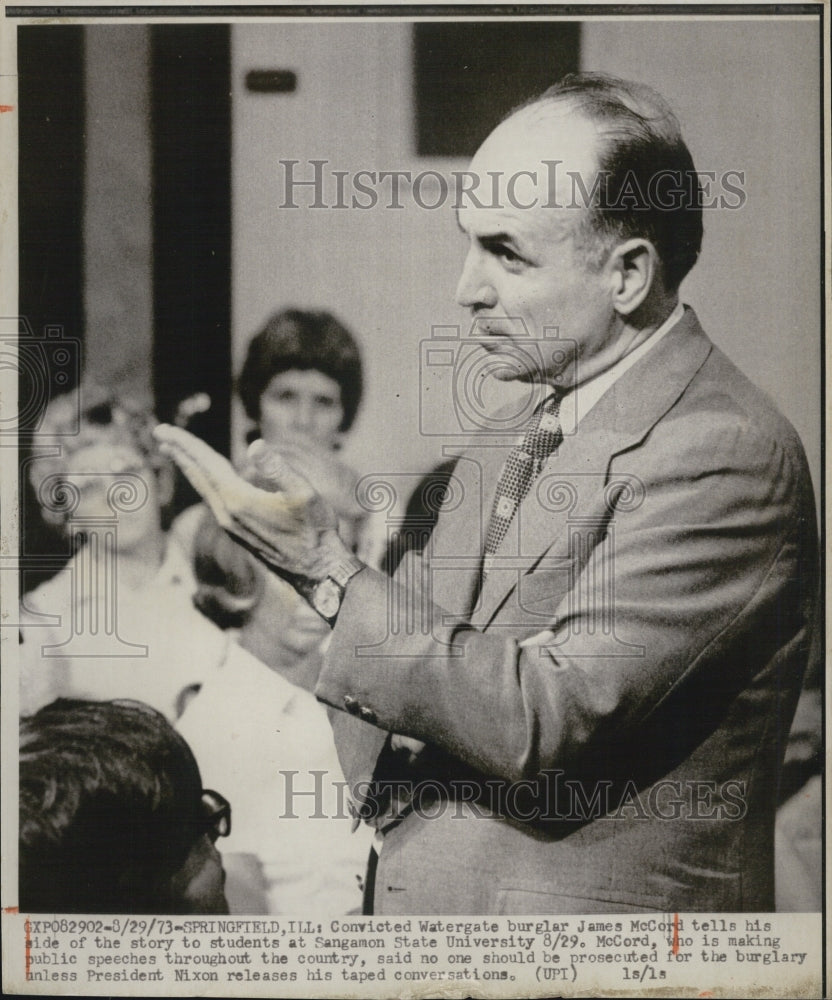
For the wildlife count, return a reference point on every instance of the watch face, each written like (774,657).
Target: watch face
(326,598)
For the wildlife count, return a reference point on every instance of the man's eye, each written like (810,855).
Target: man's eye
(325,402)
(508,256)
(285,396)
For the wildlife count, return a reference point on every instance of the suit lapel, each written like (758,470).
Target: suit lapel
(574,474)
(455,549)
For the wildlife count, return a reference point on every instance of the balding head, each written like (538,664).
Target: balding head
(571,240)
(636,177)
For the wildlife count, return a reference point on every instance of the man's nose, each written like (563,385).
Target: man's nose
(474,289)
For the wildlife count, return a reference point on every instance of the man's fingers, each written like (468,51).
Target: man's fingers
(195,451)
(281,526)
(233,500)
(211,475)
(276,471)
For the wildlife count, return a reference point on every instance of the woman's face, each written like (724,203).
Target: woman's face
(296,628)
(114,481)
(283,630)
(301,401)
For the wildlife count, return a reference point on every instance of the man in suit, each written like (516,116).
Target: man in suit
(608,631)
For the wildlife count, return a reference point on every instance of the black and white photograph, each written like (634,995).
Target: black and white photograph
(412,428)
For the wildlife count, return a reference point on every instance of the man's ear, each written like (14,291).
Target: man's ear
(634,267)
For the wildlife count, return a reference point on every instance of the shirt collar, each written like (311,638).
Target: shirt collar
(576,404)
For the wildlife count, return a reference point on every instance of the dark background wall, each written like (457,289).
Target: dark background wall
(124,227)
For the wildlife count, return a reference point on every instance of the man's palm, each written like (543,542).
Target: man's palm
(278,517)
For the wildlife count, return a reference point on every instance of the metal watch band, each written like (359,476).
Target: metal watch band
(344,570)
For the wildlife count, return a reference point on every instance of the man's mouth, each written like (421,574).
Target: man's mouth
(499,342)
(496,338)
(511,328)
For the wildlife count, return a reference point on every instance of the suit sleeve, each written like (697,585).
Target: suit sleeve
(708,580)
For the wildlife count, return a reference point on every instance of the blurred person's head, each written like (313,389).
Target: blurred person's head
(113,816)
(275,623)
(108,465)
(302,375)
(283,630)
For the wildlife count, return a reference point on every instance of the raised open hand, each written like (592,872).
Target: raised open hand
(279,517)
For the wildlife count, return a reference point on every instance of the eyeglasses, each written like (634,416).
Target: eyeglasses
(216,814)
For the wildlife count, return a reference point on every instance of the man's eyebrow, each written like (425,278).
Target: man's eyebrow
(496,239)
(487,240)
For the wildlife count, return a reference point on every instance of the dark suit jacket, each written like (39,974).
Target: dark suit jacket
(667,554)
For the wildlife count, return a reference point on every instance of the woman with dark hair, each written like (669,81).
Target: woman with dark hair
(302,374)
(300,385)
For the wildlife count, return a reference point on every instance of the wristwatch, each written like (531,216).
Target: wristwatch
(327,594)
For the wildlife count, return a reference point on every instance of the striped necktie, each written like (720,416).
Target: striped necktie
(523,466)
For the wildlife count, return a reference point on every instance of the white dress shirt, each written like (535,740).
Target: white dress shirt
(87,639)
(267,745)
(579,401)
